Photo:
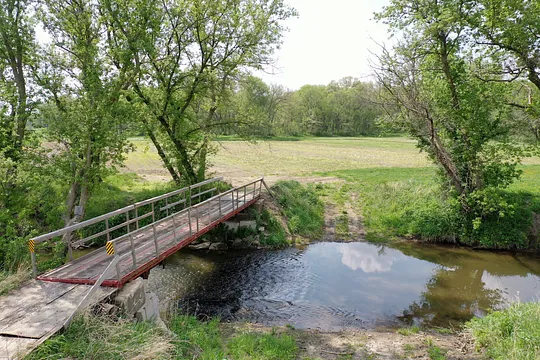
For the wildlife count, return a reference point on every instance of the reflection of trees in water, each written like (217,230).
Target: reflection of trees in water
(456,292)
(453,296)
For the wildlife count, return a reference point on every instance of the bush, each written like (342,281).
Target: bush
(512,334)
(302,207)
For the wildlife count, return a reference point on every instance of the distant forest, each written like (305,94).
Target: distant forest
(346,107)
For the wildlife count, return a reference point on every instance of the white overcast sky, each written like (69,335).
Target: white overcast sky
(329,40)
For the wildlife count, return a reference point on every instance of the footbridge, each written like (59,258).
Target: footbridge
(127,243)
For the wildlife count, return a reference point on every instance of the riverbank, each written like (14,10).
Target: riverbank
(189,338)
(511,334)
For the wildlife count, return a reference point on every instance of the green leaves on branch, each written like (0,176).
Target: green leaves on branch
(446,82)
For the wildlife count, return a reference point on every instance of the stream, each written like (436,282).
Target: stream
(332,286)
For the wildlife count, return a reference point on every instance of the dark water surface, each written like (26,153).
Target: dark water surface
(348,285)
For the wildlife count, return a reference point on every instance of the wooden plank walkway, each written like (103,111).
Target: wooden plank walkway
(139,253)
(34,312)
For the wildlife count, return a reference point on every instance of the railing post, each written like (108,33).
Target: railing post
(197,219)
(32,248)
(137,218)
(133,256)
(189,197)
(118,273)
(245,190)
(70,249)
(174,229)
(219,199)
(154,229)
(260,187)
(167,206)
(107,228)
(189,220)
(127,222)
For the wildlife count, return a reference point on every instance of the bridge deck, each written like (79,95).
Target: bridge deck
(146,247)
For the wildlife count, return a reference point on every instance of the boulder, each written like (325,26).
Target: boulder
(202,246)
(237,244)
(218,246)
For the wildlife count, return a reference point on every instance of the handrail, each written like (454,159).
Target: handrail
(82,224)
(236,196)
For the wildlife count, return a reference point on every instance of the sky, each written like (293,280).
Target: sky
(329,40)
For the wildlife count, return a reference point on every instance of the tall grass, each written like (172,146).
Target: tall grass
(92,337)
(302,207)
(511,334)
(410,202)
(102,338)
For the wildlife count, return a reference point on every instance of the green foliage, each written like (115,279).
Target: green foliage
(302,207)
(435,352)
(195,337)
(342,108)
(263,347)
(510,334)
(101,338)
(411,203)
(276,235)
(409,330)
(437,85)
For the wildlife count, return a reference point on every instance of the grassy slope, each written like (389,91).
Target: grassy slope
(511,334)
(101,338)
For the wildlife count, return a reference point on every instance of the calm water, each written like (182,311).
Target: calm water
(345,285)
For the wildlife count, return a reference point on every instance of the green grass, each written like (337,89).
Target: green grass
(512,334)
(408,330)
(12,280)
(302,208)
(409,202)
(101,338)
(435,352)
(271,346)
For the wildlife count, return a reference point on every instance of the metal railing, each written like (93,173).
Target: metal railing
(195,217)
(155,208)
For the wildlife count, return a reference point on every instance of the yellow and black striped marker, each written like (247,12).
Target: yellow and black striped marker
(110,248)
(31,246)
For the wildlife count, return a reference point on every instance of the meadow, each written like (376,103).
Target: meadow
(387,181)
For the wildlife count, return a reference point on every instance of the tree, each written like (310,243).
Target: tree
(437,86)
(509,32)
(86,120)
(188,60)
(16,54)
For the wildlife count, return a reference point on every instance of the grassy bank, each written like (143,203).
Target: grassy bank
(512,334)
(409,202)
(302,208)
(101,338)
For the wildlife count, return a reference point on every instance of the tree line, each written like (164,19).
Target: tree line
(347,107)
